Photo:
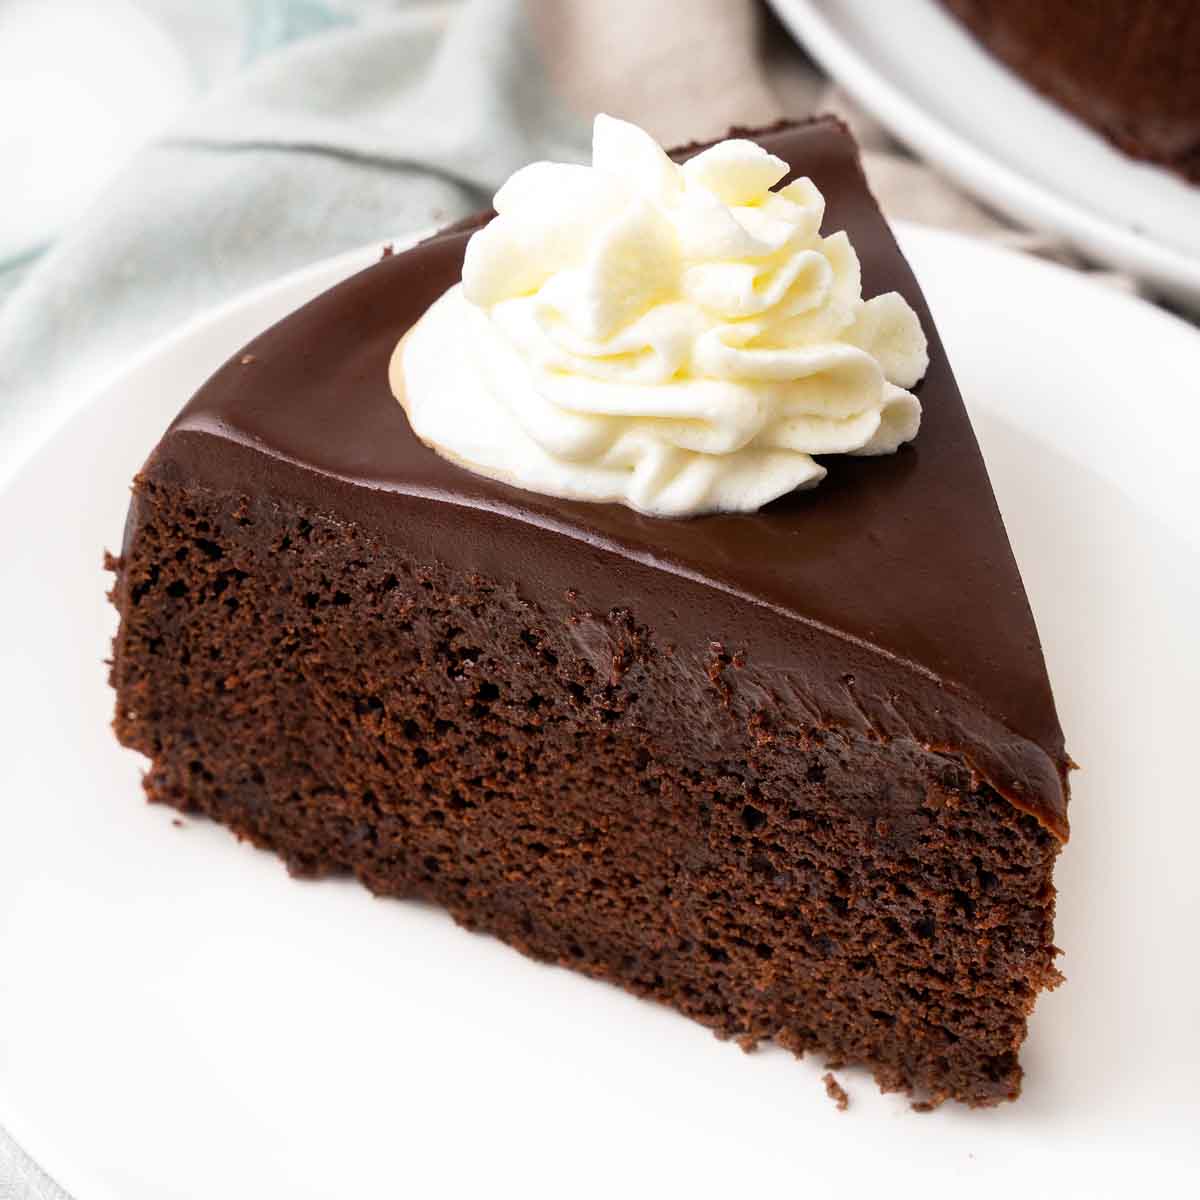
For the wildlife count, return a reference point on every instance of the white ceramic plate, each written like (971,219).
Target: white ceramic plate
(923,76)
(180,1019)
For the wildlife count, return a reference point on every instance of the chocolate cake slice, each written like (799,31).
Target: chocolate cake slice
(1130,69)
(796,773)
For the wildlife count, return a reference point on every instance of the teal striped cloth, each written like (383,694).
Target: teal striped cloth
(327,124)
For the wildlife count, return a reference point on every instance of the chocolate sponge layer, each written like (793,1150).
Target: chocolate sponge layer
(578,784)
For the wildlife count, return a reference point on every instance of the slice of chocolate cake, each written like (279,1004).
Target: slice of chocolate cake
(792,767)
(1129,68)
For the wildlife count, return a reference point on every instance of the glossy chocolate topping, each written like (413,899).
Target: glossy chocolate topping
(885,600)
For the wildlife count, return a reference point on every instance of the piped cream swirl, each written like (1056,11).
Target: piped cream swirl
(679,338)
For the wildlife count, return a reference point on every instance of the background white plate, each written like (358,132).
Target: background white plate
(925,77)
(180,1019)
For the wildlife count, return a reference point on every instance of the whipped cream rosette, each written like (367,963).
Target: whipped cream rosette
(680,338)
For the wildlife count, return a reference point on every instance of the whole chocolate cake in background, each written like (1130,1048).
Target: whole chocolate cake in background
(1129,68)
(790,765)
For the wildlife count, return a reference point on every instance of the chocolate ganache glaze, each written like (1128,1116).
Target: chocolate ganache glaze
(886,602)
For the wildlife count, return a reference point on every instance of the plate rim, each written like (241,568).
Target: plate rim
(979,172)
(17,454)
(39,1146)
